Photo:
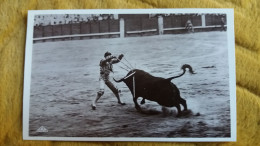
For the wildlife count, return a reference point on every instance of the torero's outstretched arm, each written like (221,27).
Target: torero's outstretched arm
(112,60)
(104,61)
(117,59)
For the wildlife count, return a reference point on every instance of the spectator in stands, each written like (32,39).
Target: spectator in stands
(106,67)
(223,24)
(189,26)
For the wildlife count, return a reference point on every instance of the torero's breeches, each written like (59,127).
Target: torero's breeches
(112,88)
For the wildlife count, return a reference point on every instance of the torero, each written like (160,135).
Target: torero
(106,67)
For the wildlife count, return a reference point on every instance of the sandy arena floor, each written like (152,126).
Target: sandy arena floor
(65,81)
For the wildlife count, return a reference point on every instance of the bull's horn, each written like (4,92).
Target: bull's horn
(118,80)
(124,78)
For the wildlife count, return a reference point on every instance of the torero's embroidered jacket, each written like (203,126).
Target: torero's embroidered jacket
(106,65)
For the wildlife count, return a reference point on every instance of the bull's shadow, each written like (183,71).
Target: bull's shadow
(158,89)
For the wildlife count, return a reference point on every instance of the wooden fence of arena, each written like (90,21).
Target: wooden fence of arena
(126,27)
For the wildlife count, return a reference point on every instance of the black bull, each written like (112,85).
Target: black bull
(160,90)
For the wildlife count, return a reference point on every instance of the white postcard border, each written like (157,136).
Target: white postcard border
(28,65)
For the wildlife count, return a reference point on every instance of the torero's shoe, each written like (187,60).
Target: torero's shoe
(93,107)
(122,103)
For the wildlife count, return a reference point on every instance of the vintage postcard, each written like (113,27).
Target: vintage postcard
(130,75)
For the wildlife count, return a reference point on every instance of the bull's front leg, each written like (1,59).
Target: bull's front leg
(179,110)
(136,104)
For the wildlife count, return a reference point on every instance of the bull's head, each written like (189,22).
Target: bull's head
(129,75)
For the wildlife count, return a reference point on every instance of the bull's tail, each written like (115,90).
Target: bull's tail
(184,70)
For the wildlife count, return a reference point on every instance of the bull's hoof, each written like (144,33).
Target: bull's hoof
(179,115)
(93,107)
(186,112)
(138,108)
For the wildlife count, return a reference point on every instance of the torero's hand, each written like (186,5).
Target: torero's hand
(120,56)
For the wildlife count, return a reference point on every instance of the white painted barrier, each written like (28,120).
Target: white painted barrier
(179,28)
(77,35)
(141,31)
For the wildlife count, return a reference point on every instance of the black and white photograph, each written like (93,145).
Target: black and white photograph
(130,75)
